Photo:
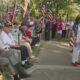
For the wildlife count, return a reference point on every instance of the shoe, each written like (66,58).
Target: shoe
(26,66)
(21,71)
(16,77)
(29,63)
(74,64)
(78,63)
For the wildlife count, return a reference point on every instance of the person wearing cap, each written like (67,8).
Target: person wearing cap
(9,40)
(8,53)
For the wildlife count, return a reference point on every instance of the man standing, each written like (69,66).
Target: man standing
(47,30)
(76,36)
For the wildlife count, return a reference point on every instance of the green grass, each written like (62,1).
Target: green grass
(36,50)
(6,72)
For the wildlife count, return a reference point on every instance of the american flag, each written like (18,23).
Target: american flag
(43,13)
(50,16)
(43,10)
(72,41)
(14,12)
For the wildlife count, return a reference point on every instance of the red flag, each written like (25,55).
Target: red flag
(50,16)
(43,10)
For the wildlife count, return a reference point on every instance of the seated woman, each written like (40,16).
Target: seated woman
(29,35)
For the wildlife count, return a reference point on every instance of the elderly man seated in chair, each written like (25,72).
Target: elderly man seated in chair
(7,52)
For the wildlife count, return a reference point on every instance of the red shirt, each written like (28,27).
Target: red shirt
(28,34)
(59,26)
(52,24)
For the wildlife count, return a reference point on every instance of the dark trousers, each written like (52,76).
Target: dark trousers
(47,35)
(53,33)
(63,33)
(35,40)
(24,52)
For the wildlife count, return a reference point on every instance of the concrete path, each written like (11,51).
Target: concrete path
(54,63)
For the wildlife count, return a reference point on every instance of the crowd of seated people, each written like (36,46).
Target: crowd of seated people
(27,36)
(23,43)
(7,47)
(15,37)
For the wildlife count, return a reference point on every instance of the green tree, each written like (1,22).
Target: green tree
(66,8)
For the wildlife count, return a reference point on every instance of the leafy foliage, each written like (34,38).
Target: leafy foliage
(64,8)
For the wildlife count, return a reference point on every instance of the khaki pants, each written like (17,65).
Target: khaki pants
(75,55)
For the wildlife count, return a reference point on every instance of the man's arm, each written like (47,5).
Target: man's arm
(27,39)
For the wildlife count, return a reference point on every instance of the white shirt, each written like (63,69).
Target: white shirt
(7,38)
(2,45)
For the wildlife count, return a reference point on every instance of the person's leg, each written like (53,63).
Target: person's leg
(14,72)
(75,56)
(46,36)
(78,51)
(35,40)
(24,52)
(14,62)
(11,56)
(25,58)
(62,33)
(53,33)
(29,48)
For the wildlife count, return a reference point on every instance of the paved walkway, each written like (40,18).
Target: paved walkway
(54,63)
